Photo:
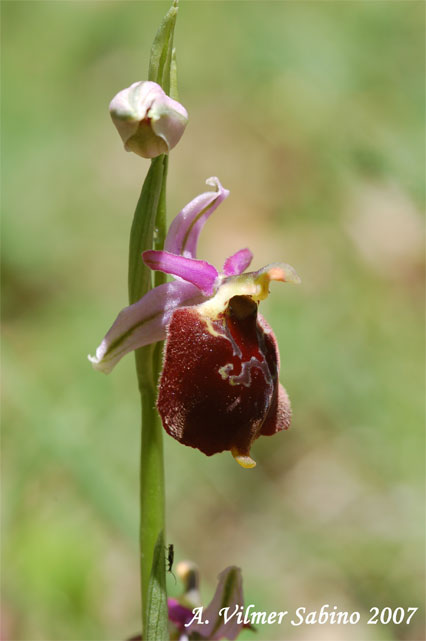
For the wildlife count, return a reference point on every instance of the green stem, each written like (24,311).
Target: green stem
(152,497)
(148,365)
(150,212)
(148,230)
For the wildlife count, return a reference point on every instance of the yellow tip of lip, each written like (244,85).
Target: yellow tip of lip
(243,460)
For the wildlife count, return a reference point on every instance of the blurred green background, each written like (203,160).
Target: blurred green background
(312,114)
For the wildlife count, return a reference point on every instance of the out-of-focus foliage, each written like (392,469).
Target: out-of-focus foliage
(312,114)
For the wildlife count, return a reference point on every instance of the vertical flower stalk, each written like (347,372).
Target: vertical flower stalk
(148,230)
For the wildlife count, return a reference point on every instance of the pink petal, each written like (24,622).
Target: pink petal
(198,272)
(143,322)
(183,233)
(238,262)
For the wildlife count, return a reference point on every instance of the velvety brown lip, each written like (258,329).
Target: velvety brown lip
(201,402)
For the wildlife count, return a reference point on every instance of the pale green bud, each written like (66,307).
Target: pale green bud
(148,121)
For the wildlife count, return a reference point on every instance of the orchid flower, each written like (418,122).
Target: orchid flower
(219,387)
(192,621)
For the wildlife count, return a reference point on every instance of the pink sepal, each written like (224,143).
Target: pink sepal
(183,233)
(143,322)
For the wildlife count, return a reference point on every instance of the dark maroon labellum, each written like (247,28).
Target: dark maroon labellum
(219,387)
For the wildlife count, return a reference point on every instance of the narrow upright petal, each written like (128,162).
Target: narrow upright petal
(198,272)
(183,233)
(143,322)
(238,262)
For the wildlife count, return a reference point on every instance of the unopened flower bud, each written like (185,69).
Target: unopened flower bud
(148,121)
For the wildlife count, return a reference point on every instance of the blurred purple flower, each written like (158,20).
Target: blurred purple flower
(186,614)
(222,619)
(179,614)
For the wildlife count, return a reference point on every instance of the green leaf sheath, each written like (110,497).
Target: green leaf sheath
(161,223)
(142,231)
(157,627)
(152,508)
(148,231)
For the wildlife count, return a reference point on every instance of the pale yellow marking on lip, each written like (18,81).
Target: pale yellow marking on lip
(225,369)
(211,330)
(242,459)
